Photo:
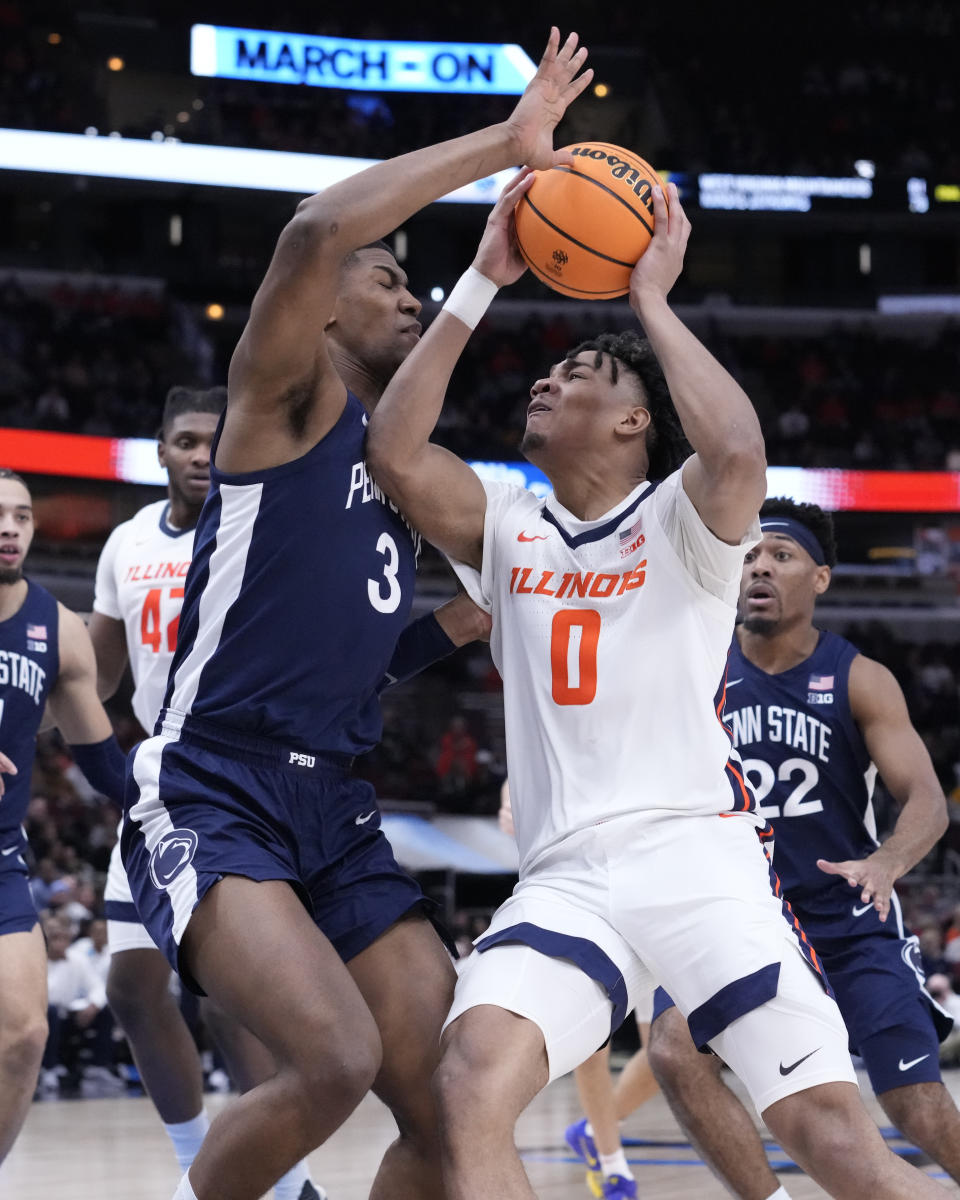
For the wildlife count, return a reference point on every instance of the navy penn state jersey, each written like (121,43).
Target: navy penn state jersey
(29,662)
(301,582)
(808,765)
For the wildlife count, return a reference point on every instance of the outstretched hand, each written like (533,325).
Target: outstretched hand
(660,265)
(874,876)
(545,100)
(498,257)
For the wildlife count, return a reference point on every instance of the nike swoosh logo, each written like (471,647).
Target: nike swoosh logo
(11,850)
(532,537)
(364,820)
(733,682)
(858,912)
(793,1066)
(913,1062)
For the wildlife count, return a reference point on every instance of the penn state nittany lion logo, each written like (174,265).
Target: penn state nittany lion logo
(910,953)
(171,856)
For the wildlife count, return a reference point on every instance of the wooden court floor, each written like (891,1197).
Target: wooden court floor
(115,1149)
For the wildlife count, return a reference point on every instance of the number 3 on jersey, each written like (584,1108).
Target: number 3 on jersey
(574,636)
(386,603)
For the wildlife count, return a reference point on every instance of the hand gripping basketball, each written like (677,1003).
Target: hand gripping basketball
(582,225)
(662,263)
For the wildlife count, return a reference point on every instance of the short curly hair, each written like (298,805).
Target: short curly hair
(811,516)
(189,400)
(667,445)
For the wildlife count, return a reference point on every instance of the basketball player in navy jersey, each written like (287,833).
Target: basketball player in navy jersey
(135,611)
(252,853)
(815,721)
(46,662)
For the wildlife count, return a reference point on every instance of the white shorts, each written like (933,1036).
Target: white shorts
(643,1004)
(125,931)
(685,900)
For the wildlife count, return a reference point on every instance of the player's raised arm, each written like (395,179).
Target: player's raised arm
(437,491)
(282,346)
(903,762)
(726,477)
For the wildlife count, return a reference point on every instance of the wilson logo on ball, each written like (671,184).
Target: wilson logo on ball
(582,227)
(621,169)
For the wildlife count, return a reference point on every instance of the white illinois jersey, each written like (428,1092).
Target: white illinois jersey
(612,637)
(140,578)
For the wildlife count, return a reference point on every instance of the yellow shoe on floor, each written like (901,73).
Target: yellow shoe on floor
(595,1184)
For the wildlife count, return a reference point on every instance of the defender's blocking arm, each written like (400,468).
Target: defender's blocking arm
(279,346)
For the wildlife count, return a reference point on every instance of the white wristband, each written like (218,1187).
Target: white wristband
(471,297)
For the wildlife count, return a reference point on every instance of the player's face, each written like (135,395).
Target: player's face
(374,320)
(16,529)
(779,585)
(185,452)
(578,408)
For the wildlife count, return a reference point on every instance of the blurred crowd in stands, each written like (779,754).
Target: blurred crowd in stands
(869,79)
(99,359)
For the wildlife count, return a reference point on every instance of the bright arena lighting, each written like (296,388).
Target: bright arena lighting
(214,166)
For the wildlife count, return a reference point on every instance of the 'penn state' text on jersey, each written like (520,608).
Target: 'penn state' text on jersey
(810,769)
(29,662)
(301,582)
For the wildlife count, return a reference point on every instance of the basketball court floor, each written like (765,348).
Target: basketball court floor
(115,1149)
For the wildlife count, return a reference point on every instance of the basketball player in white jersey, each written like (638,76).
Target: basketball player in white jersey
(613,606)
(136,610)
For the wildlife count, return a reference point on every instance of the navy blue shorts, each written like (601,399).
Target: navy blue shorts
(18,914)
(205,803)
(894,1024)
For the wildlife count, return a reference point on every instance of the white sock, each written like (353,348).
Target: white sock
(186,1137)
(615,1164)
(780,1194)
(185,1191)
(291,1185)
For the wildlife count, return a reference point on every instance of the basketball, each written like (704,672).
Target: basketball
(581,228)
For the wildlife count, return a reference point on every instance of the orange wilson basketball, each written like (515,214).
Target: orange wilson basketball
(582,228)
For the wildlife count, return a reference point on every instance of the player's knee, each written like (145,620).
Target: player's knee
(826,1125)
(345,1067)
(23,1036)
(465,1083)
(136,996)
(671,1051)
